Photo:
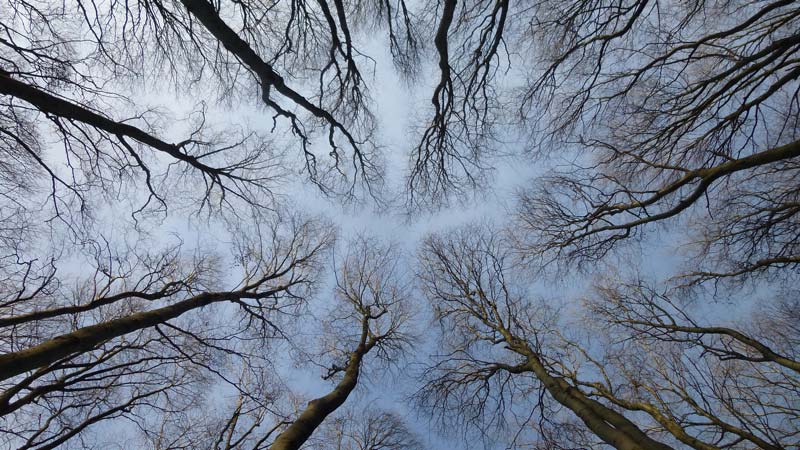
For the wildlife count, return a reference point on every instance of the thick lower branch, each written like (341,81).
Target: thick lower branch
(706,177)
(87,338)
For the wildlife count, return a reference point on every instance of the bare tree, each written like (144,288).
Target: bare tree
(671,113)
(370,429)
(365,330)
(369,319)
(122,382)
(645,311)
(664,385)
(124,329)
(99,149)
(470,49)
(75,73)
(655,115)
(143,330)
(716,386)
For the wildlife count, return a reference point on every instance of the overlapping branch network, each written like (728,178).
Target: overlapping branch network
(633,371)
(77,71)
(665,112)
(470,45)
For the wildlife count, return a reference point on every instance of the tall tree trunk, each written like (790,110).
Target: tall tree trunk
(317,410)
(610,426)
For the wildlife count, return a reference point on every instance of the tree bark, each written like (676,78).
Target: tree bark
(318,409)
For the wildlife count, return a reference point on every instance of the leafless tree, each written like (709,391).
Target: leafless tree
(664,385)
(71,76)
(369,320)
(654,114)
(140,330)
(470,49)
(365,330)
(369,429)
(122,334)
(715,385)
(666,112)
(647,312)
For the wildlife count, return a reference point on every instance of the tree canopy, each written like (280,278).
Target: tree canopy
(390,224)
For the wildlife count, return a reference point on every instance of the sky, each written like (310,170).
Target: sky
(398,105)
